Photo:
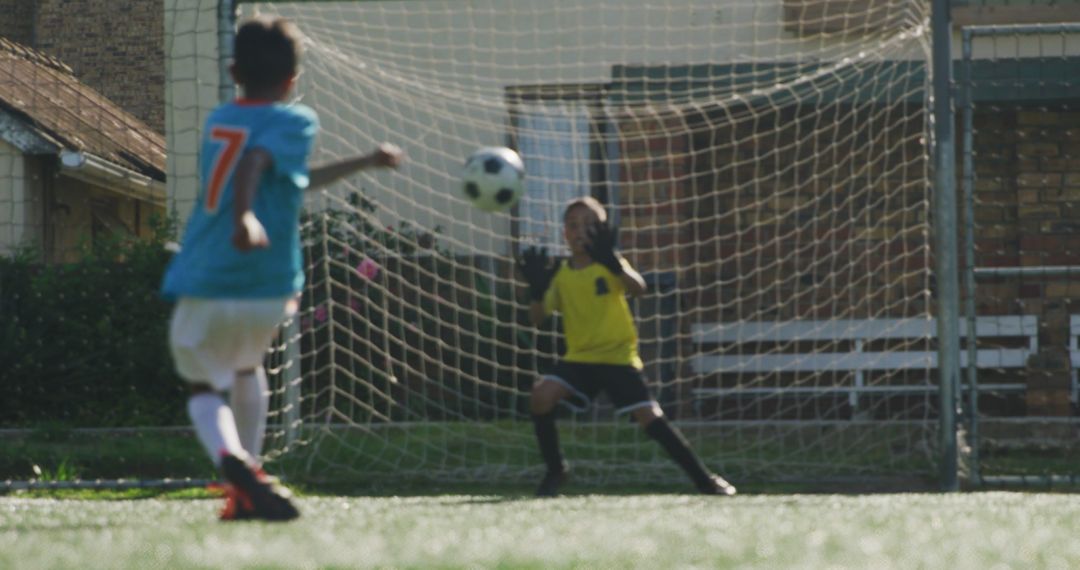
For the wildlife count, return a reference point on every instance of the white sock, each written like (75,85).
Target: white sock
(215,426)
(250,399)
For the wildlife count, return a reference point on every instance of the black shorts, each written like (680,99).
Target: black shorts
(624,385)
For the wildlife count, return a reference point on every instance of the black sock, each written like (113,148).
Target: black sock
(548,439)
(679,449)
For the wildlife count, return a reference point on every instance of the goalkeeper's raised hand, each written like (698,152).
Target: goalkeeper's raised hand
(536,267)
(602,246)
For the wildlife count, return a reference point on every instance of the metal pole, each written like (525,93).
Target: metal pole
(290,380)
(945,238)
(226,33)
(967,111)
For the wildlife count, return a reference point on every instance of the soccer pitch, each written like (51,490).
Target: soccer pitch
(970,530)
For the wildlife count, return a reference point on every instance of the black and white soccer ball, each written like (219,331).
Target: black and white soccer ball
(493,178)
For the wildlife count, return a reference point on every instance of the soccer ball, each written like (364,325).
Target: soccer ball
(493,178)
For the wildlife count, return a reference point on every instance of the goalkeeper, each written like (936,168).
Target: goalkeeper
(589,290)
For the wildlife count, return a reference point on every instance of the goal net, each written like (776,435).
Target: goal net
(765,161)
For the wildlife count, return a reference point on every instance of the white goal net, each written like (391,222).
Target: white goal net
(766,162)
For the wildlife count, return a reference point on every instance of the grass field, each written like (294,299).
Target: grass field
(967,530)
(391,521)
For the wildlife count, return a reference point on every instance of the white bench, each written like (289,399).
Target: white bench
(1074,356)
(721,353)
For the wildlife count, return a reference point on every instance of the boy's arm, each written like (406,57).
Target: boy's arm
(248,232)
(632,281)
(537,314)
(386,155)
(536,267)
(602,246)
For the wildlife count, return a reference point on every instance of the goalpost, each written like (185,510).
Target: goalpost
(768,165)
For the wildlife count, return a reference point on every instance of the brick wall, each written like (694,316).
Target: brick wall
(114,46)
(17,23)
(655,161)
(785,213)
(1027,214)
(780,213)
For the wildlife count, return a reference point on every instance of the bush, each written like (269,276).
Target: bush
(429,338)
(84,344)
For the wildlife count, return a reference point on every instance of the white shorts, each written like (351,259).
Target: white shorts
(213,338)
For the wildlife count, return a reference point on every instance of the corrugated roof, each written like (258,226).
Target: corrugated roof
(44,93)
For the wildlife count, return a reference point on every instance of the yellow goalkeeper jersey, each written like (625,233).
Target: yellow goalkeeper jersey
(596,318)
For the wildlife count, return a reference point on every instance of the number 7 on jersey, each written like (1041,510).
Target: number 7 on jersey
(232,139)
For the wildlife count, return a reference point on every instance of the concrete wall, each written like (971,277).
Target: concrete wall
(20,208)
(191,92)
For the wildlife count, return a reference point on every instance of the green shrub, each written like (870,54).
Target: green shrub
(84,344)
(431,338)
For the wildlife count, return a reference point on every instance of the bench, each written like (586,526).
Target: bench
(1074,357)
(725,348)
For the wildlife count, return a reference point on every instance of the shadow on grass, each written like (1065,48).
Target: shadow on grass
(501,492)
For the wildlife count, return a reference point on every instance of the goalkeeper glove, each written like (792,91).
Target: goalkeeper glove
(603,240)
(535,266)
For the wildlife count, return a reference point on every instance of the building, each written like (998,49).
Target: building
(85,85)
(74,165)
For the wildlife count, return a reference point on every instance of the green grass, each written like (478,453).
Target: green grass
(502,456)
(492,451)
(971,530)
(65,455)
(504,450)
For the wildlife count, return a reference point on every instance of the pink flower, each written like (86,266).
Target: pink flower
(320,313)
(368,269)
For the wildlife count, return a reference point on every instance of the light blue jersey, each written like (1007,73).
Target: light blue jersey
(208,266)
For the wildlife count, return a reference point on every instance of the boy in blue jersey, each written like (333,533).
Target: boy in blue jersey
(238,273)
(589,290)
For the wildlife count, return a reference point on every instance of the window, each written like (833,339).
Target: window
(559,131)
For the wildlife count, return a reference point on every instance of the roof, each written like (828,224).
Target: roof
(43,94)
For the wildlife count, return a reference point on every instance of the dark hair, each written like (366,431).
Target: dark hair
(266,52)
(587,202)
